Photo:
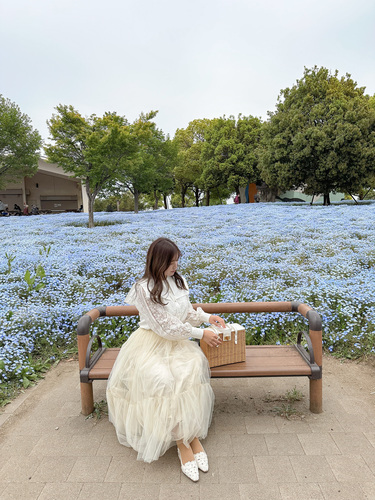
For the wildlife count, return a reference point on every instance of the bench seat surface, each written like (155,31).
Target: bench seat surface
(261,361)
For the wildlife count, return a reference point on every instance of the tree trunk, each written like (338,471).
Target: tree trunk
(355,201)
(91,212)
(183,192)
(326,200)
(207,198)
(312,199)
(364,196)
(156,202)
(136,200)
(91,199)
(165,201)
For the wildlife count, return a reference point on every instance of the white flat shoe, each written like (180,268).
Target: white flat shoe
(202,461)
(190,469)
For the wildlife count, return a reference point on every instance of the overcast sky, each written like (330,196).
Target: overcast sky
(187,59)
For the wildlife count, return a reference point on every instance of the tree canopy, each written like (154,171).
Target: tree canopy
(230,152)
(189,167)
(19,143)
(321,137)
(148,171)
(93,149)
(162,180)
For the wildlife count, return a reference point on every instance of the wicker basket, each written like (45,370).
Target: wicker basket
(230,351)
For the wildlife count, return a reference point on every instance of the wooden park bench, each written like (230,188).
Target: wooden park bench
(261,360)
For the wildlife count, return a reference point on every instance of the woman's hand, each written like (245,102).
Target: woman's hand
(216,320)
(211,338)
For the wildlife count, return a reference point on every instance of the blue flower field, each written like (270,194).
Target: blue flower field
(54,269)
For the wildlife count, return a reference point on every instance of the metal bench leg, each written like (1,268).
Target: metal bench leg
(87,395)
(316,396)
(316,386)
(87,398)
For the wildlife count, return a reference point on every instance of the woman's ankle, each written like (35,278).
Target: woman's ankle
(186,452)
(196,446)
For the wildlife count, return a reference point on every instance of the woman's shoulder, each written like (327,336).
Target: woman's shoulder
(142,282)
(171,291)
(131,297)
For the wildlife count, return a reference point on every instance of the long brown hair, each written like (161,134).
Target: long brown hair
(159,257)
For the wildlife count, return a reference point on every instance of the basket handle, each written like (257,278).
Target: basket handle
(227,337)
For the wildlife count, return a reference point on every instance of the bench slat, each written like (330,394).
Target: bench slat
(261,361)
(266,361)
(103,367)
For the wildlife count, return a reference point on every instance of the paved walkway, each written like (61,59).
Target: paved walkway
(49,451)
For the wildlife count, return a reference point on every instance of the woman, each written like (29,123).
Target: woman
(159,390)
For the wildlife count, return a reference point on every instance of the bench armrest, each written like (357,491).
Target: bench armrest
(314,320)
(91,360)
(309,357)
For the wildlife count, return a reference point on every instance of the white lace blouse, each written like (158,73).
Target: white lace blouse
(176,320)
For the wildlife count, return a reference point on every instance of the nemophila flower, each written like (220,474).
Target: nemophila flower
(323,256)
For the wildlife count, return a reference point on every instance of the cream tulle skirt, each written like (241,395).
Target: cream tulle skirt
(159,392)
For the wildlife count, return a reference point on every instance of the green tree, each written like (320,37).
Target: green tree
(143,174)
(231,152)
(123,202)
(162,182)
(93,149)
(367,191)
(321,137)
(19,143)
(189,199)
(189,166)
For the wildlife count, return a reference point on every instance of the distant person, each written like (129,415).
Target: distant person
(17,209)
(5,212)
(25,209)
(2,206)
(34,210)
(237,199)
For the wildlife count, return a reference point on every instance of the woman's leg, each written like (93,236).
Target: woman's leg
(189,466)
(186,452)
(196,446)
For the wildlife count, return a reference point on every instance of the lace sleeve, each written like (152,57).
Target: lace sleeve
(160,321)
(197,317)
